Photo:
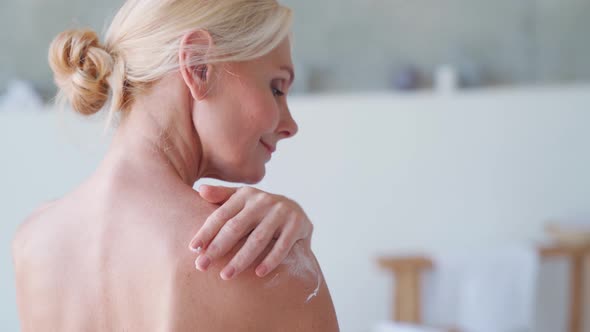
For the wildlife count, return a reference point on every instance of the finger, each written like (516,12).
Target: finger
(305,229)
(257,241)
(231,233)
(215,221)
(289,236)
(216,194)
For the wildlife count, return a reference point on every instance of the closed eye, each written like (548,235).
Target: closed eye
(277,93)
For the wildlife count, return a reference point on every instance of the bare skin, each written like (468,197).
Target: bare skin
(114,259)
(112,255)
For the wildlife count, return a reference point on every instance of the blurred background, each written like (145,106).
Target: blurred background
(442,154)
(346,45)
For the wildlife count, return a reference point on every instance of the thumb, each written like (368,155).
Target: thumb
(216,194)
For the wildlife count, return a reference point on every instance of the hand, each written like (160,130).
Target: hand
(244,210)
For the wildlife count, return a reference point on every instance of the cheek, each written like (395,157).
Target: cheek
(253,106)
(250,125)
(260,112)
(231,130)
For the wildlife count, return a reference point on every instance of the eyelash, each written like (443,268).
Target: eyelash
(278,93)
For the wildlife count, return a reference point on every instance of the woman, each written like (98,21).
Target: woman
(200,86)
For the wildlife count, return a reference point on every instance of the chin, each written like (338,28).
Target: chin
(245,176)
(254,179)
(255,176)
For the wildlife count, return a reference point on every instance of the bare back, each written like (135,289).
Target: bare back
(117,259)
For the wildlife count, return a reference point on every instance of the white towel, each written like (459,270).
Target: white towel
(398,327)
(485,291)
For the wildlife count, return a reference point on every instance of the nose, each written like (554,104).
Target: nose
(287,126)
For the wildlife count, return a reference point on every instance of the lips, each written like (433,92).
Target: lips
(270,148)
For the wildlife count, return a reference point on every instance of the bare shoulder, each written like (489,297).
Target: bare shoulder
(294,297)
(21,239)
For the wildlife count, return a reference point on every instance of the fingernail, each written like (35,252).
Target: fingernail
(203,262)
(261,271)
(196,247)
(228,273)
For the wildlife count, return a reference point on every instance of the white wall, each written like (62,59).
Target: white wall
(376,173)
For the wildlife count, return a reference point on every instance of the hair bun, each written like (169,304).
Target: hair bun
(81,67)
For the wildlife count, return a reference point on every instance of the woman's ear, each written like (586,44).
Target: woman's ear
(193,49)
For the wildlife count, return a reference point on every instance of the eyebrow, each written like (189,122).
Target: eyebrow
(291,73)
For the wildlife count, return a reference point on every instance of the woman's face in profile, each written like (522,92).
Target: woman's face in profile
(245,114)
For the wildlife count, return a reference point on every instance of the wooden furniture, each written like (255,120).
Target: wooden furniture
(408,270)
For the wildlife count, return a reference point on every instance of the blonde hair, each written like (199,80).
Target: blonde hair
(143,41)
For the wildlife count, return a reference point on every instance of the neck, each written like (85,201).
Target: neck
(157,136)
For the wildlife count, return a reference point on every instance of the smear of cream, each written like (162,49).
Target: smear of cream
(273,282)
(301,266)
(197,250)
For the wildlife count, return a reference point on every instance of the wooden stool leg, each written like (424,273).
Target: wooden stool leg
(576,293)
(408,297)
